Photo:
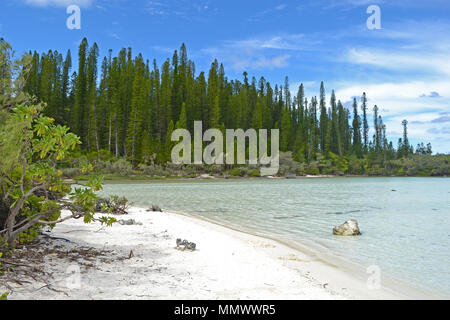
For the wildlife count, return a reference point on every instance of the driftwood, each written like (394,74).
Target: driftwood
(27,266)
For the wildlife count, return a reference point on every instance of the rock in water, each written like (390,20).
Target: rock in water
(349,228)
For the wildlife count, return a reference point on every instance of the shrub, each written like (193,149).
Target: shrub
(154,170)
(70,172)
(313,171)
(287,163)
(122,167)
(113,205)
(236,172)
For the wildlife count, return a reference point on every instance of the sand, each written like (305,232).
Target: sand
(227,264)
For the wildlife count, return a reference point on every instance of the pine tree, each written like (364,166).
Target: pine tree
(78,111)
(323,121)
(65,86)
(182,122)
(405,148)
(356,129)
(377,126)
(137,106)
(365,123)
(91,108)
(215,114)
(335,146)
(285,130)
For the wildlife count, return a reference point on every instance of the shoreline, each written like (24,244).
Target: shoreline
(147,179)
(327,262)
(228,264)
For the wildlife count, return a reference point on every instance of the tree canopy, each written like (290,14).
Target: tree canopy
(128,108)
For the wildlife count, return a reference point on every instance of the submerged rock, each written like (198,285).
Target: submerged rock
(349,228)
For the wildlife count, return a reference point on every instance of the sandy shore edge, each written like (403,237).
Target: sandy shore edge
(228,264)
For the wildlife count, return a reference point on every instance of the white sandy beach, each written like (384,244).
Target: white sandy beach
(226,265)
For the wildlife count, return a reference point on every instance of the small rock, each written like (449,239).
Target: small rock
(155,208)
(184,244)
(349,228)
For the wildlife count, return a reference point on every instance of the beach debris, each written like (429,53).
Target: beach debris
(129,222)
(113,205)
(184,244)
(131,255)
(349,228)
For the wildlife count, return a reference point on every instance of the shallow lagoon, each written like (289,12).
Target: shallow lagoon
(405,221)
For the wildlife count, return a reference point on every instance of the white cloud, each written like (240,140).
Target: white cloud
(59,3)
(397,60)
(279,42)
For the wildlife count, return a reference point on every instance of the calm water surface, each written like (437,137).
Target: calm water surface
(405,221)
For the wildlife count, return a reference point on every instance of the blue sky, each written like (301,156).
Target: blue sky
(404,67)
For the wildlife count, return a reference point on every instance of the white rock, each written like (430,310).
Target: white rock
(349,228)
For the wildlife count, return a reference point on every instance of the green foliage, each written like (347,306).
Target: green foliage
(122,167)
(135,107)
(287,164)
(255,173)
(125,122)
(4,296)
(32,146)
(238,172)
(113,205)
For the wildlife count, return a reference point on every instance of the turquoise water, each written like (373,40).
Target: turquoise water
(405,222)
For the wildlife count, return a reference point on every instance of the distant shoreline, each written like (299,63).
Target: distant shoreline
(141,178)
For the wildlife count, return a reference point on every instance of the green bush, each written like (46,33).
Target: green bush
(122,167)
(113,205)
(236,172)
(153,170)
(70,172)
(313,171)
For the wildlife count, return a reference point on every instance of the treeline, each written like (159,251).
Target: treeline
(131,106)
